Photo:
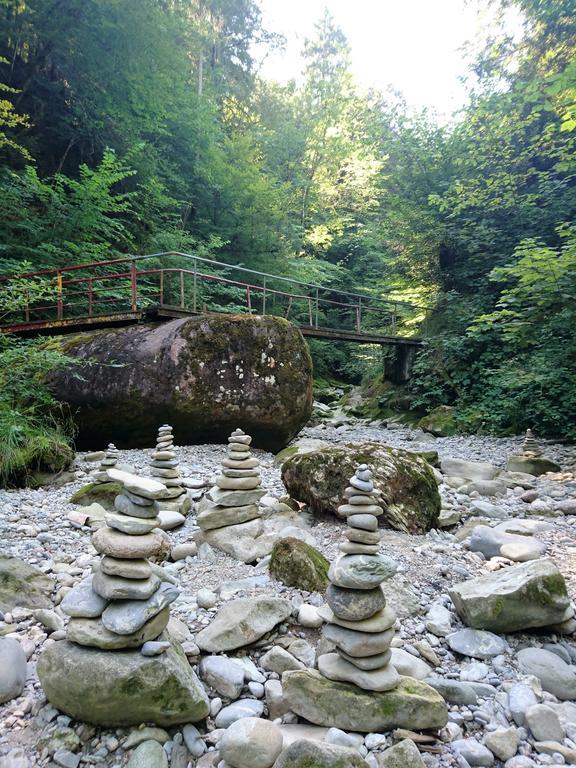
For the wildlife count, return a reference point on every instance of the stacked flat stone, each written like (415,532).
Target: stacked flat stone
(124,603)
(110,460)
(234,499)
(164,467)
(530,445)
(360,624)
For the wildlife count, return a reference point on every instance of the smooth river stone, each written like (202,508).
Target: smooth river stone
(352,509)
(363,522)
(362,485)
(164,463)
(238,447)
(133,526)
(362,497)
(362,537)
(368,662)
(83,602)
(129,569)
(92,632)
(107,541)
(378,622)
(119,588)
(163,455)
(127,616)
(354,548)
(226,498)
(211,516)
(240,437)
(246,464)
(240,472)
(140,501)
(169,474)
(141,486)
(238,483)
(353,604)
(123,505)
(361,571)
(334,667)
(358,644)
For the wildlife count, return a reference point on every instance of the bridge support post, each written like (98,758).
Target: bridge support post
(398,363)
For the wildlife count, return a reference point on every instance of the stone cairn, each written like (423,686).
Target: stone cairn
(124,603)
(360,624)
(530,445)
(110,460)
(234,499)
(164,467)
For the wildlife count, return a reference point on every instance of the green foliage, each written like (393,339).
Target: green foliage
(35,429)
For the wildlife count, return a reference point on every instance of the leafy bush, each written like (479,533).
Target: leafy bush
(36,430)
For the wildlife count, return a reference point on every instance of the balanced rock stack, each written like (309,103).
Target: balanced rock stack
(115,663)
(133,604)
(531,461)
(530,445)
(164,467)
(110,460)
(360,624)
(357,688)
(229,512)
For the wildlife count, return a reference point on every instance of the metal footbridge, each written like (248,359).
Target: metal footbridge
(170,285)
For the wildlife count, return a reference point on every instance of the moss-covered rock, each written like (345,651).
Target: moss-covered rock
(101,493)
(525,596)
(118,688)
(412,704)
(45,452)
(440,422)
(410,495)
(206,375)
(23,585)
(317,754)
(532,465)
(297,564)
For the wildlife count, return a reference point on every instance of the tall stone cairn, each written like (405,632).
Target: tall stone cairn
(110,460)
(164,467)
(234,498)
(124,603)
(360,624)
(530,445)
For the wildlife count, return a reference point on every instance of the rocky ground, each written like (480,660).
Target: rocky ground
(488,726)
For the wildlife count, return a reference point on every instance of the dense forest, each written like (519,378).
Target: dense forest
(140,126)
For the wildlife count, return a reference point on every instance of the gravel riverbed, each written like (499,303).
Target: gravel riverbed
(34,526)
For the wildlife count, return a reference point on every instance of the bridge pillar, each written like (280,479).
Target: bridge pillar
(398,363)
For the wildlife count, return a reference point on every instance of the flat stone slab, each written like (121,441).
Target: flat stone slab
(412,704)
(242,622)
(93,634)
(121,688)
(211,516)
(141,486)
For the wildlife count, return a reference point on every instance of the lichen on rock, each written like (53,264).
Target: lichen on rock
(206,375)
(410,497)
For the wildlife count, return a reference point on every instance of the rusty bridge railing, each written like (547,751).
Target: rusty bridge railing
(130,288)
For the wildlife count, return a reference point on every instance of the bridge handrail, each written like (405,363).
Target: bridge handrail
(57,271)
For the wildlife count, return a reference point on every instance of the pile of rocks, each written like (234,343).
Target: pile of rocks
(360,624)
(531,461)
(123,605)
(164,467)
(110,460)
(357,687)
(229,511)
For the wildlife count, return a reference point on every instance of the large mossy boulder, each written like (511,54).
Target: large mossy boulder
(522,597)
(206,375)
(118,688)
(439,422)
(23,585)
(297,564)
(411,501)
